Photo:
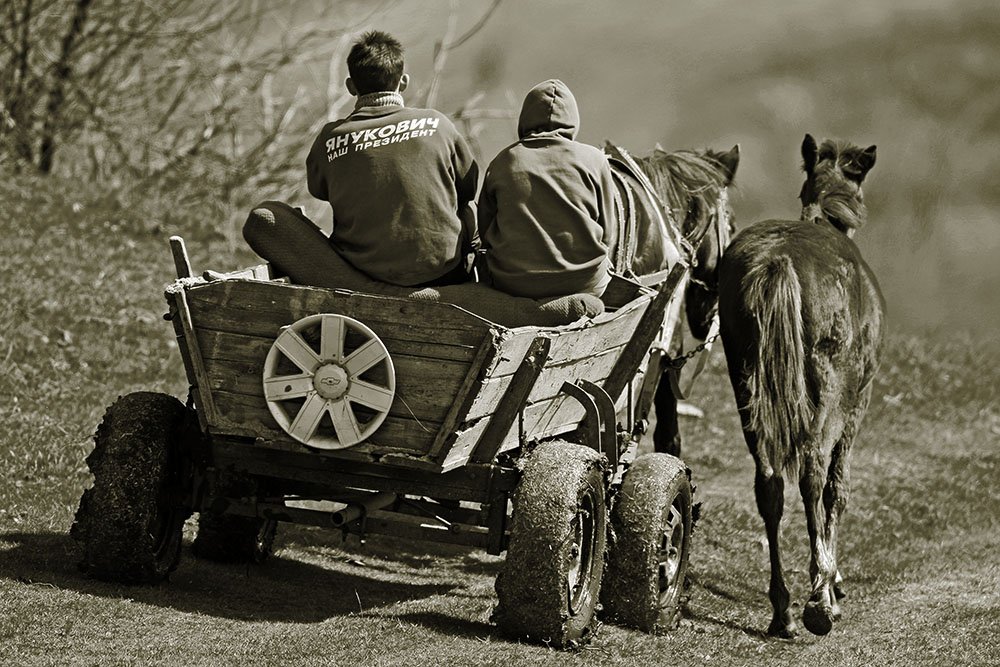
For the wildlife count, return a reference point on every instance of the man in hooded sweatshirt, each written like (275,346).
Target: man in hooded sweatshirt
(400,180)
(546,210)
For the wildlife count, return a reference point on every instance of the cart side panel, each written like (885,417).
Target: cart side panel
(235,364)
(579,352)
(433,348)
(587,352)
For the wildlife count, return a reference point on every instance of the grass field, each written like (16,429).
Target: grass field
(81,305)
(919,542)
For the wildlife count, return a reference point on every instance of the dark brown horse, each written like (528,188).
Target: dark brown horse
(802,325)
(655,192)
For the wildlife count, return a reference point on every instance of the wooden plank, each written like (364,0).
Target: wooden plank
(513,400)
(181,262)
(232,346)
(425,388)
(379,522)
(460,444)
(471,482)
(581,343)
(248,416)
(513,345)
(199,374)
(465,394)
(261,308)
(594,368)
(186,360)
(576,342)
(396,525)
(556,415)
(620,291)
(645,333)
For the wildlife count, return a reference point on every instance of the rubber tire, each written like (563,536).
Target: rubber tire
(533,589)
(226,538)
(631,593)
(128,528)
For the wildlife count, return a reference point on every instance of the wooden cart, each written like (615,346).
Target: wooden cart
(410,418)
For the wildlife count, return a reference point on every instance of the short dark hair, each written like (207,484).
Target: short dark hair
(375,62)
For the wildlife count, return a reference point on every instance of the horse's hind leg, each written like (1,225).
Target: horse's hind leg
(770,492)
(818,615)
(834,502)
(838,482)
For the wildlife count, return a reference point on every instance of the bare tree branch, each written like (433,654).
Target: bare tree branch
(63,70)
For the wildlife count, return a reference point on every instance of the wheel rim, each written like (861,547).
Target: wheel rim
(669,553)
(581,555)
(329,382)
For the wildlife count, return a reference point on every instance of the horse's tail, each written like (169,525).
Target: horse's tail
(779,406)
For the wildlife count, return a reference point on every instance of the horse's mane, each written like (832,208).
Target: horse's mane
(683,175)
(839,199)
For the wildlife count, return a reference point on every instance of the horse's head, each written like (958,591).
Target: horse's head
(709,234)
(832,189)
(690,186)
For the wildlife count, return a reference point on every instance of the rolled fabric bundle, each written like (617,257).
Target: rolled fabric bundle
(296,247)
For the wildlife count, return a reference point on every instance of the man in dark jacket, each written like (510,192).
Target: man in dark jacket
(546,211)
(399,180)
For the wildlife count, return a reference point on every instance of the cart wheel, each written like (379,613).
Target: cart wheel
(648,558)
(328,381)
(128,523)
(548,588)
(227,538)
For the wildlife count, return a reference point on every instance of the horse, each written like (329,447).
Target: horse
(802,324)
(653,193)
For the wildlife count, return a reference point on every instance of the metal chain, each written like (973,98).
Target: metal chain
(678,362)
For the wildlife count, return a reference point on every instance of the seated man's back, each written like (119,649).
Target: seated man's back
(546,211)
(397,179)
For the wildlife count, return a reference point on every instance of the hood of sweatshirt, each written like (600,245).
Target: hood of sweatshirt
(549,109)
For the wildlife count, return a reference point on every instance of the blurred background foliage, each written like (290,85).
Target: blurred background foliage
(179,115)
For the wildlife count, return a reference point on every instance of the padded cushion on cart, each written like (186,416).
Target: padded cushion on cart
(296,247)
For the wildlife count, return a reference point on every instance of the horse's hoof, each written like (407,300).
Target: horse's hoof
(784,629)
(818,617)
(839,591)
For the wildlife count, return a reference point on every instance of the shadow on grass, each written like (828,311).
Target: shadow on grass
(280,589)
(700,613)
(450,626)
(395,552)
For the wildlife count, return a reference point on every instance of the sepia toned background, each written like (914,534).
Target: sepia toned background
(177,116)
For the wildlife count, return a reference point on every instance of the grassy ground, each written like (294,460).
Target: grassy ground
(82,305)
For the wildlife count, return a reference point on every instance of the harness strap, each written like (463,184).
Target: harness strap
(626,220)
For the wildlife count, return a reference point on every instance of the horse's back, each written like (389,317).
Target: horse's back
(842,308)
(822,257)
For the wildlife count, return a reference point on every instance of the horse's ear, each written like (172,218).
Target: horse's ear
(809,153)
(865,161)
(658,148)
(859,163)
(730,161)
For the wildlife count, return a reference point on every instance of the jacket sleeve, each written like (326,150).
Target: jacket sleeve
(466,171)
(486,211)
(466,183)
(606,204)
(314,170)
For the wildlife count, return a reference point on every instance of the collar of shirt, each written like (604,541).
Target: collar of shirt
(385,98)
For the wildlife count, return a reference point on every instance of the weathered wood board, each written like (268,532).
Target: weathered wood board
(452,368)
